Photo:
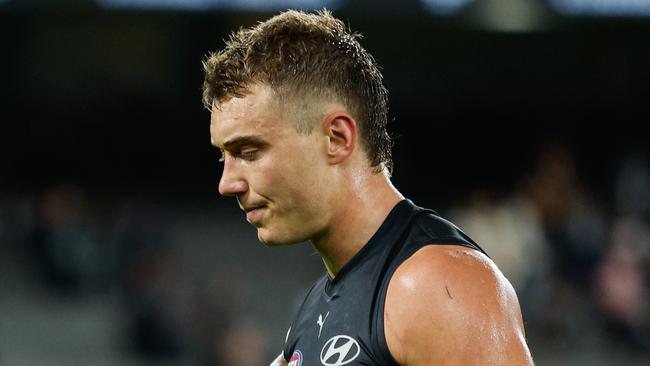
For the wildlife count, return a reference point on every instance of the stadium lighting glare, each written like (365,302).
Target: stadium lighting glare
(197,5)
(445,7)
(627,8)
(509,16)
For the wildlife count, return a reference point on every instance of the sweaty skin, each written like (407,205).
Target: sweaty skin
(450,305)
(445,305)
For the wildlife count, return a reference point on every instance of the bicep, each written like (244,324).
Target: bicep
(453,307)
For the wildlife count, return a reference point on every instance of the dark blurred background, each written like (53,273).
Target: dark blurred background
(520,120)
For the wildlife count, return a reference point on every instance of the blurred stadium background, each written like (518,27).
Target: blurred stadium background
(521,120)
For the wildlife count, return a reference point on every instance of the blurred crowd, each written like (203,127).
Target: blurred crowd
(578,258)
(80,246)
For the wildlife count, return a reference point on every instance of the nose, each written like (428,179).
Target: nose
(232,181)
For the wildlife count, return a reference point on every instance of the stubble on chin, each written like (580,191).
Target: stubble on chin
(272,240)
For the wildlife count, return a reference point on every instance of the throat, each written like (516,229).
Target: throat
(336,252)
(356,220)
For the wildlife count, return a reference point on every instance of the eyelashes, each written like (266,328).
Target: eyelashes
(248,155)
(245,155)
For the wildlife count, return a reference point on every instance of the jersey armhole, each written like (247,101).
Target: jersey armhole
(386,358)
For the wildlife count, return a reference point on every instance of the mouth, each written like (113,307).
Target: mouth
(253,214)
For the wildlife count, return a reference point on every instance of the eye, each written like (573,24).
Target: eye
(247,154)
(223,157)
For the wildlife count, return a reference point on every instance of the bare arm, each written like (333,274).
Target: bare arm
(279,361)
(449,305)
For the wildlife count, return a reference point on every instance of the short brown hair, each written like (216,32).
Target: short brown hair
(300,54)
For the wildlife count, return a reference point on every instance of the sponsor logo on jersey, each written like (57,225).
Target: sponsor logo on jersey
(296,359)
(321,322)
(339,350)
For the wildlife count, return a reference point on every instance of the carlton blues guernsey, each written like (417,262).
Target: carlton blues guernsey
(341,320)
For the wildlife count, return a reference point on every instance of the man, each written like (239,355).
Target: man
(299,113)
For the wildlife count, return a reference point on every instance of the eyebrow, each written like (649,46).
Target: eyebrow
(243,140)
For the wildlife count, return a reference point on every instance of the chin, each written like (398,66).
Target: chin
(271,239)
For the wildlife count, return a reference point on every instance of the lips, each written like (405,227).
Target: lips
(253,214)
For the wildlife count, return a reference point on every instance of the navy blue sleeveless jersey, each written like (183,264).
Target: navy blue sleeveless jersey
(341,320)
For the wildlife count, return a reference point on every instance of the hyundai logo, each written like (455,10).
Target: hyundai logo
(339,350)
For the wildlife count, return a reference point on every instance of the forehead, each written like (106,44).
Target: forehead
(255,114)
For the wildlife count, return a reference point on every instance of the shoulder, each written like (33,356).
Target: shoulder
(450,304)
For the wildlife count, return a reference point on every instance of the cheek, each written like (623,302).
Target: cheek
(305,180)
(294,178)
(277,180)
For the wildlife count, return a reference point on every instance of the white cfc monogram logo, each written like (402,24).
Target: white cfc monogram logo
(339,350)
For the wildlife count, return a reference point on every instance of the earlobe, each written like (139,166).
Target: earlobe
(341,131)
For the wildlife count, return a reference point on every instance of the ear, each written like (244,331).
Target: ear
(341,131)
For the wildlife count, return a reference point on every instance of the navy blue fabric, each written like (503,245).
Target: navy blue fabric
(350,307)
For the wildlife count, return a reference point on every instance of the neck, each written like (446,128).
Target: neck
(363,208)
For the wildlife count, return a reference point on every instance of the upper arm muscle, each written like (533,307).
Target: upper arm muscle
(449,305)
